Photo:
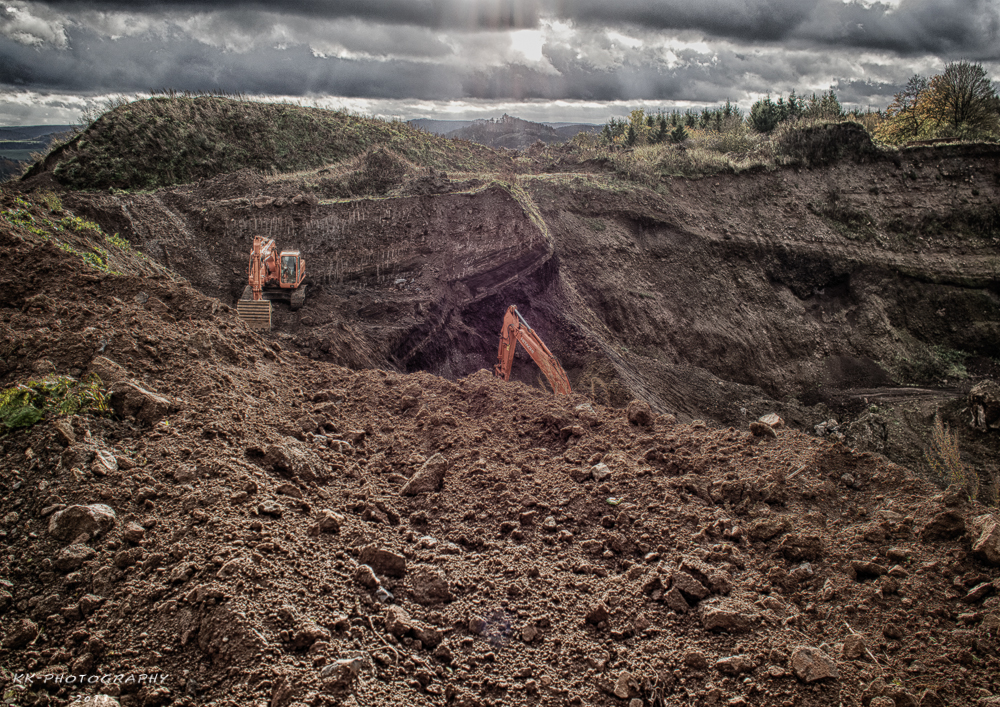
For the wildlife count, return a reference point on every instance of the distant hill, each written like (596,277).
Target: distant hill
(515,133)
(440,127)
(17,143)
(508,131)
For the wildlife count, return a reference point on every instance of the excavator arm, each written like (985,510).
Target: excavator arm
(515,330)
(262,252)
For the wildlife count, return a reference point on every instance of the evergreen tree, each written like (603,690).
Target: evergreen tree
(679,134)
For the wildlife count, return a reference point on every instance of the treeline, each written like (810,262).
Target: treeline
(961,102)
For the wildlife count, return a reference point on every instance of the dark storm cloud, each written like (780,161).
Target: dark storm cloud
(481,14)
(947,28)
(132,65)
(942,27)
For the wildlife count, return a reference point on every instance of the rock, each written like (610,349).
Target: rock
(89,602)
(986,543)
(688,585)
(598,614)
(128,399)
(295,460)
(800,546)
(984,401)
(477,625)
(867,570)
(676,601)
(428,478)
(772,420)
(622,687)
(639,413)
(549,524)
(734,665)
(127,558)
(65,430)
(978,593)
(769,527)
(946,525)
(430,587)
(290,490)
(133,533)
(365,576)
(71,557)
(529,634)
(6,600)
(72,522)
(308,635)
(600,472)
(811,664)
(341,674)
(384,562)
(400,625)
(759,429)
(854,647)
(20,634)
(724,617)
(696,660)
(327,522)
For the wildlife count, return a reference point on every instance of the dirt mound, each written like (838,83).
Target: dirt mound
(248,540)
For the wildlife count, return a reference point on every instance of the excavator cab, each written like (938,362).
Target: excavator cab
(289,268)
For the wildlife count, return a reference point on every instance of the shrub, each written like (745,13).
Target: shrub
(25,404)
(944,458)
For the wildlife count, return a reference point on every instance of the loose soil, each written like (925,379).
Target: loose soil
(576,552)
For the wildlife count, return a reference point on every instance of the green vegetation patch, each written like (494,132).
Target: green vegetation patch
(25,404)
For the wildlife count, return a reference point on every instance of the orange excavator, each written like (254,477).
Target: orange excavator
(275,276)
(515,330)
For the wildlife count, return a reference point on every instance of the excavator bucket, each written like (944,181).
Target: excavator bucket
(256,314)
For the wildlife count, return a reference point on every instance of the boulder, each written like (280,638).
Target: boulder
(400,625)
(985,533)
(70,523)
(811,664)
(769,527)
(71,557)
(640,413)
(430,587)
(724,616)
(734,665)
(428,478)
(295,460)
(760,429)
(128,399)
(946,525)
(20,634)
(382,561)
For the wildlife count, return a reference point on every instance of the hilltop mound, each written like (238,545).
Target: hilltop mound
(164,141)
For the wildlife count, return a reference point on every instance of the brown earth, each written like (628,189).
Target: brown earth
(720,298)
(253,478)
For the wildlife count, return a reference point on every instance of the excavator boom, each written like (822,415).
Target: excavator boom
(516,330)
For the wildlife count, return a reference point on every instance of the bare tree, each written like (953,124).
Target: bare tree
(963,99)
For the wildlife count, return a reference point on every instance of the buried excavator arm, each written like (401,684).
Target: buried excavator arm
(516,330)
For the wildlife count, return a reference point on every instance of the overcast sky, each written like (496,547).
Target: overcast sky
(553,60)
